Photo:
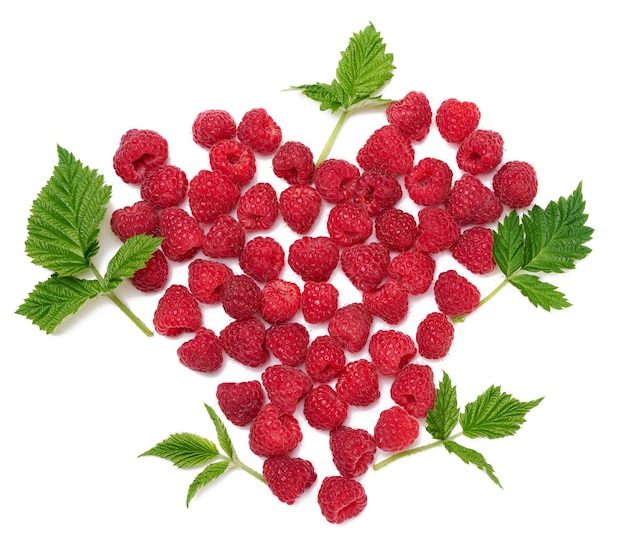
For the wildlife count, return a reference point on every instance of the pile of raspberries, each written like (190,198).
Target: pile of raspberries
(219,222)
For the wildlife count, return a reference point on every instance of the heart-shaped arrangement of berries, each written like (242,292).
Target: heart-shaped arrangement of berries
(381,225)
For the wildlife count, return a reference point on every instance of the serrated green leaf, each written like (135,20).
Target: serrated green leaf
(222,434)
(130,257)
(508,243)
(540,293)
(443,417)
(184,450)
(329,96)
(469,456)
(209,474)
(494,414)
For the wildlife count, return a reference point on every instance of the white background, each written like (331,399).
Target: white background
(77,407)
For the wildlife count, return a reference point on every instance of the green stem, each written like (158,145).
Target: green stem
(333,137)
(494,292)
(249,470)
(408,452)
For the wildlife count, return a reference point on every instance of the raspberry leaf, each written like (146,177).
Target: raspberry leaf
(130,257)
(222,434)
(508,243)
(539,292)
(441,420)
(184,450)
(469,456)
(209,474)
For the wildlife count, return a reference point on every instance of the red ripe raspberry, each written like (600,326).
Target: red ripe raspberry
(288,342)
(358,385)
(319,301)
(472,202)
(335,180)
(273,434)
(325,359)
(164,186)
(313,258)
(182,234)
(349,224)
(438,230)
(455,295)
(395,429)
(365,265)
(324,409)
(294,163)
(474,250)
(139,150)
(205,279)
(240,296)
(353,450)
(391,350)
(244,341)
(515,184)
(390,301)
(414,390)
(280,300)
(288,477)
(480,152)
(234,159)
(211,194)
(262,258)
(456,120)
(177,312)
(300,205)
(225,238)
(211,126)
(350,326)
(341,499)
(202,353)
(285,386)
(376,192)
(434,336)
(136,219)
(258,207)
(240,401)
(259,131)
(414,269)
(387,150)
(428,182)
(155,274)
(413,115)
(396,229)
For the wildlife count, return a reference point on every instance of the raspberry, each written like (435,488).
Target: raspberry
(324,409)
(376,192)
(472,202)
(299,205)
(335,180)
(140,217)
(182,234)
(288,342)
(262,258)
(240,401)
(202,353)
(234,159)
(325,359)
(313,258)
(412,114)
(240,296)
(259,131)
(428,182)
(211,194)
(434,336)
(390,301)
(273,434)
(319,301)
(396,229)
(155,274)
(358,385)
(177,312)
(365,265)
(341,499)
(294,163)
(285,386)
(391,350)
(244,341)
(395,429)
(288,477)
(211,126)
(258,207)
(387,150)
(474,250)
(225,238)
(480,152)
(280,300)
(456,120)
(515,184)
(414,269)
(455,295)
(139,151)
(350,326)
(206,278)
(414,390)
(438,230)
(349,224)
(164,186)
(352,450)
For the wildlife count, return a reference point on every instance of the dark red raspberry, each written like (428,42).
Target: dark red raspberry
(390,301)
(139,151)
(480,152)
(455,295)
(155,274)
(358,384)
(353,450)
(300,205)
(205,279)
(313,258)
(280,301)
(240,296)
(434,336)
(294,163)
(396,229)
(259,131)
(438,230)
(335,180)
(387,150)
(471,202)
(181,232)
(286,386)
(412,114)
(211,126)
(288,477)
(211,194)
(474,250)
(262,258)
(177,312)
(240,401)
(258,207)
(349,224)
(428,182)
(140,217)
(341,499)
(414,269)
(164,186)
(365,265)
(414,390)
(350,326)
(325,359)
(225,238)
(202,353)
(456,120)
(377,192)
(234,159)
(395,429)
(244,341)
(288,342)
(391,350)
(273,434)
(324,409)
(515,184)
(319,301)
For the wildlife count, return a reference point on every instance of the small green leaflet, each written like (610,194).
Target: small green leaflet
(469,456)
(441,420)
(222,434)
(205,477)
(129,258)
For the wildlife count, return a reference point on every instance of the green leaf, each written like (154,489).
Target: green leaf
(209,474)
(222,434)
(508,242)
(495,414)
(469,456)
(51,301)
(65,217)
(184,450)
(442,419)
(130,257)
(540,293)
(329,96)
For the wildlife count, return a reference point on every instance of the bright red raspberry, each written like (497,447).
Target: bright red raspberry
(335,180)
(434,336)
(313,258)
(234,159)
(358,384)
(480,152)
(390,301)
(456,120)
(428,182)
(205,279)
(288,477)
(202,353)
(414,269)
(438,230)
(515,184)
(349,224)
(294,163)
(286,386)
(280,301)
(182,234)
(391,350)
(324,409)
(211,126)
(258,207)
(244,341)
(177,312)
(240,401)
(140,217)
(288,342)
(164,186)
(353,450)
(273,434)
(240,296)
(262,258)
(300,205)
(365,265)
(377,192)
(319,301)
(412,114)
(211,194)
(225,238)
(259,131)
(350,326)
(387,150)
(414,390)
(325,359)
(474,250)
(139,150)
(471,202)
(155,274)
(341,499)
(396,229)
(395,429)
(455,295)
